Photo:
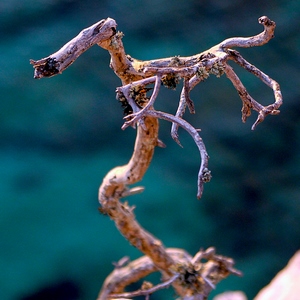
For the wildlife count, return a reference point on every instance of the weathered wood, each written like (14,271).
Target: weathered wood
(57,62)
(191,278)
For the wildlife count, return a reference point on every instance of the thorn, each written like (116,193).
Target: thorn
(178,142)
(176,138)
(161,144)
(122,262)
(133,191)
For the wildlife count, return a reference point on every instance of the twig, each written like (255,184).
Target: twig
(182,104)
(263,111)
(146,292)
(192,278)
(193,69)
(254,41)
(140,113)
(57,62)
(135,270)
(204,174)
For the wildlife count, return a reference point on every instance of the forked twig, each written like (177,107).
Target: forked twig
(196,275)
(139,113)
(146,291)
(204,174)
(123,276)
(190,277)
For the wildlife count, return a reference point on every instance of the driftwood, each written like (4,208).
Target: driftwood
(191,277)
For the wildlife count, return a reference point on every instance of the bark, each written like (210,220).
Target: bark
(191,277)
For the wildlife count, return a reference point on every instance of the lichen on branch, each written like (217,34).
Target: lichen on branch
(141,82)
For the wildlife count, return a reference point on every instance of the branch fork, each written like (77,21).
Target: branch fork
(190,277)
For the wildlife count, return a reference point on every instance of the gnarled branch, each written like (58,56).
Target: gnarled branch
(191,277)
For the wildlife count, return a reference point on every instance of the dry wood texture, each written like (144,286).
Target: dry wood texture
(192,278)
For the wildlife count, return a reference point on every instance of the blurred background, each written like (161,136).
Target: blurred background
(60,136)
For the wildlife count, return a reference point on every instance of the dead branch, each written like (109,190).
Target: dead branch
(193,70)
(146,291)
(57,62)
(197,275)
(190,277)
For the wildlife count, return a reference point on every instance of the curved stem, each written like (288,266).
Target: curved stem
(191,278)
(253,41)
(204,174)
